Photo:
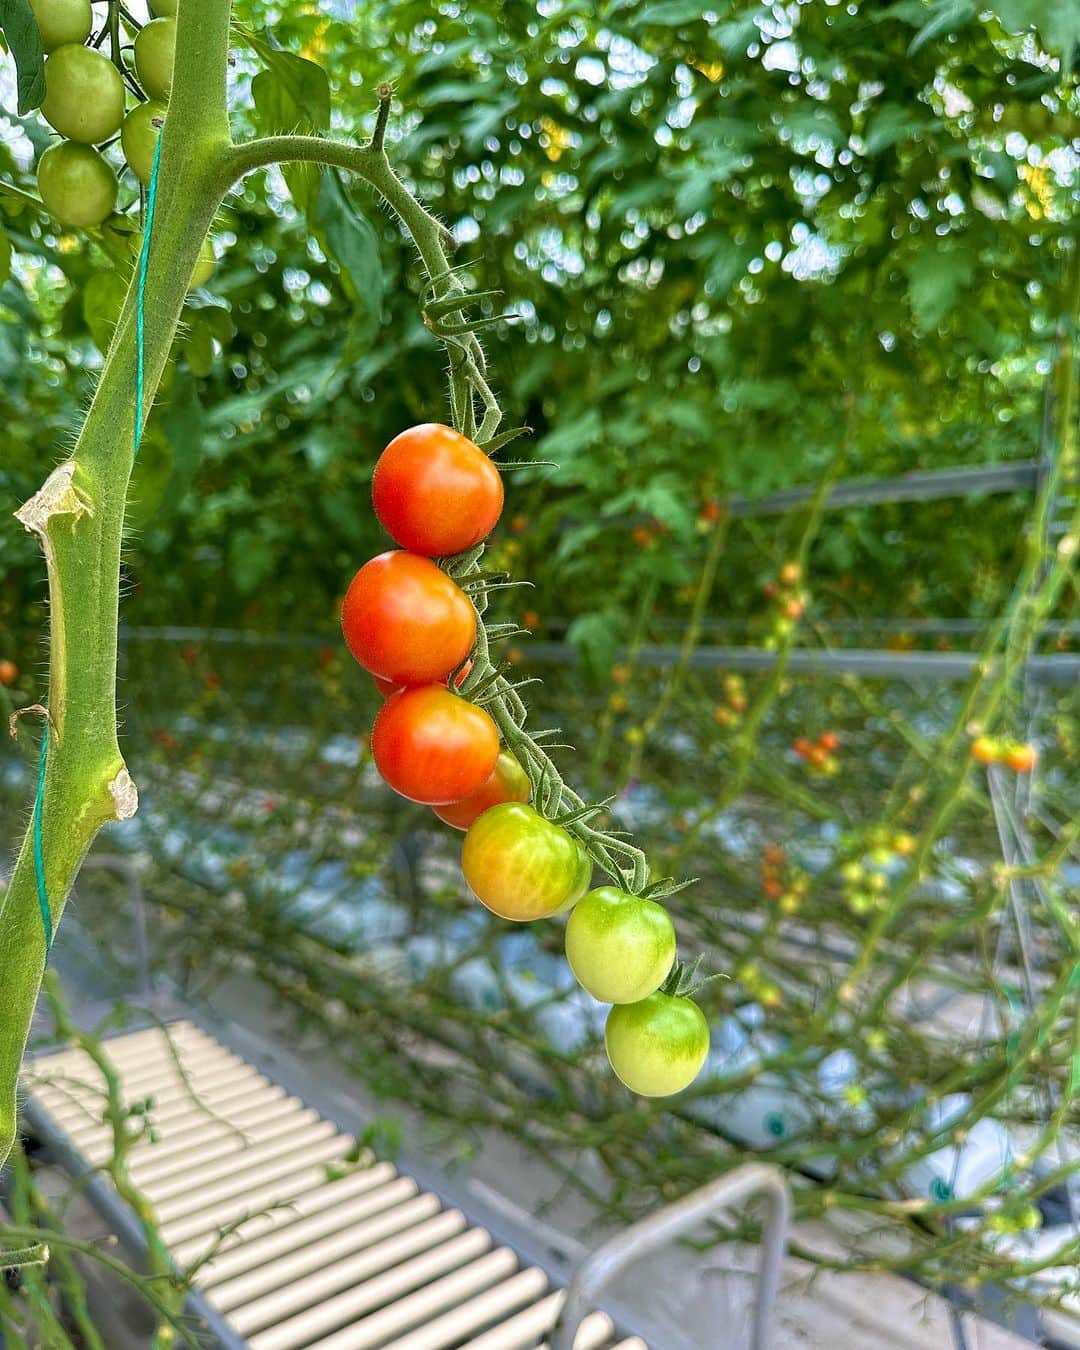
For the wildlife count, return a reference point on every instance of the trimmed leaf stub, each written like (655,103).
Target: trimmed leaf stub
(125,795)
(57,496)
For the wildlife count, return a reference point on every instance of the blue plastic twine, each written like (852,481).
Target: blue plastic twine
(140,328)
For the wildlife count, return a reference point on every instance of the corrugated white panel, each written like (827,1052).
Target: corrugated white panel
(321,1254)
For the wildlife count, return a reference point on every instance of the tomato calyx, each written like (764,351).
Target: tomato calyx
(660,890)
(686,981)
(584,813)
(496,443)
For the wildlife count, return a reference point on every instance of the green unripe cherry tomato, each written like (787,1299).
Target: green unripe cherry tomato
(76,184)
(154,48)
(62,21)
(620,946)
(657,1047)
(139,138)
(84,95)
(521,866)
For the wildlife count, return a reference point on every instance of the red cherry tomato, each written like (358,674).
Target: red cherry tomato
(432,746)
(521,866)
(388,687)
(508,783)
(405,620)
(435,492)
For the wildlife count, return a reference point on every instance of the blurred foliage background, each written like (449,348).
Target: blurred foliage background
(746,247)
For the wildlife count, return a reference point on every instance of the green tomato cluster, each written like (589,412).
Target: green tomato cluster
(85,101)
(621,947)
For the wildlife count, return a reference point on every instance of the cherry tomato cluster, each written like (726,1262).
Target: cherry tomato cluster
(820,755)
(864,888)
(730,712)
(85,102)
(781,881)
(710,514)
(789,602)
(413,628)
(1015,755)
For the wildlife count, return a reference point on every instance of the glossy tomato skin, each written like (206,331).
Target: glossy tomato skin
(508,783)
(432,746)
(521,866)
(406,621)
(435,492)
(620,946)
(76,184)
(658,1046)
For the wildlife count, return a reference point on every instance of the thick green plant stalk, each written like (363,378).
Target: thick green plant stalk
(78,517)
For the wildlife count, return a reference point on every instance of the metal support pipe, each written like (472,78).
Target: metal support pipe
(647,1236)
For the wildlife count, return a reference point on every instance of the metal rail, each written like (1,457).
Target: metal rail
(646,1237)
(920,486)
(869,663)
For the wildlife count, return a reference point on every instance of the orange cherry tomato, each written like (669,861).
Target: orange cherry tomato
(435,492)
(508,783)
(1021,758)
(9,673)
(521,866)
(829,741)
(407,621)
(432,746)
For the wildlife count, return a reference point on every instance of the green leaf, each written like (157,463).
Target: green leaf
(303,86)
(149,481)
(5,258)
(21,31)
(251,561)
(199,347)
(351,241)
(1057,22)
(890,123)
(102,300)
(672,13)
(183,424)
(946,17)
(936,276)
(596,637)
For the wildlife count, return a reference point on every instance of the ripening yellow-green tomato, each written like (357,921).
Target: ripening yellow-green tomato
(521,866)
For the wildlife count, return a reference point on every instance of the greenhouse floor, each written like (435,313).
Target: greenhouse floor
(676,1303)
